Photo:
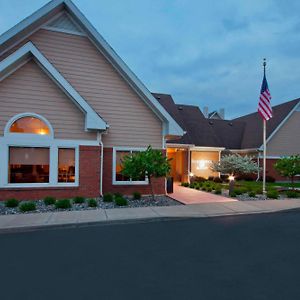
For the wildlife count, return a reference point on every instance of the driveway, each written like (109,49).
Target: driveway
(225,258)
(191,196)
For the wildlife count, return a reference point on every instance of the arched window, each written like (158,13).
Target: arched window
(31,125)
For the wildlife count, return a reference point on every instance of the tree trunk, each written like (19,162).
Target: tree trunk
(293,184)
(151,186)
(231,187)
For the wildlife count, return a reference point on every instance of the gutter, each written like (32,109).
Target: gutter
(99,138)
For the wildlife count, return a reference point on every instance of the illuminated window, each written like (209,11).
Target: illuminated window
(28,165)
(30,125)
(66,165)
(118,176)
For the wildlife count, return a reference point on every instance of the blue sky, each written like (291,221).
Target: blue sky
(202,52)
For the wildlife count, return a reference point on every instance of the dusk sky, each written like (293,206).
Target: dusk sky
(206,53)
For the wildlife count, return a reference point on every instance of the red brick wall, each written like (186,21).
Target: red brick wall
(158,184)
(271,170)
(89,180)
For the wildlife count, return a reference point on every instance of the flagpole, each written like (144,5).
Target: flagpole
(264,157)
(264,142)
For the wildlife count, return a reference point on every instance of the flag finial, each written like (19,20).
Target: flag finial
(264,64)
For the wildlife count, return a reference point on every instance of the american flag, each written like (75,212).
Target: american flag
(264,104)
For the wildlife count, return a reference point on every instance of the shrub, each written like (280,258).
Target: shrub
(233,195)
(92,202)
(272,194)
(238,191)
(259,191)
(121,201)
(137,195)
(49,200)
(197,179)
(218,180)
(218,191)
(193,185)
(209,190)
(79,200)
(252,194)
(108,197)
(224,177)
(27,206)
(292,194)
(203,188)
(210,178)
(12,202)
(246,177)
(185,184)
(63,203)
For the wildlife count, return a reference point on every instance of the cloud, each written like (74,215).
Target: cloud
(202,52)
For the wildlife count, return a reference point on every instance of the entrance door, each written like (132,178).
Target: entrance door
(179,164)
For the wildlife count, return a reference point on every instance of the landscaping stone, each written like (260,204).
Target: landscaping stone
(145,201)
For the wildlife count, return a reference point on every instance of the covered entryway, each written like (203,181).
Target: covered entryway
(179,164)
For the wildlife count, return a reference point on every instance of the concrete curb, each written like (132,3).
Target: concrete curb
(31,228)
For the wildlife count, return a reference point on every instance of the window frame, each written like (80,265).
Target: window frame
(24,140)
(128,182)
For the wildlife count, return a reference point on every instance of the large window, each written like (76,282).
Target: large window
(31,125)
(66,165)
(28,165)
(118,177)
(32,157)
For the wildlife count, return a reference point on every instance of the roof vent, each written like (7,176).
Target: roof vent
(230,124)
(211,123)
(180,108)
(157,97)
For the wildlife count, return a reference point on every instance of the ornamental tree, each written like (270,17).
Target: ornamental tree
(289,167)
(146,164)
(234,165)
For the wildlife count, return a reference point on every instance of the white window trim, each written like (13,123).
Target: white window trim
(114,181)
(38,141)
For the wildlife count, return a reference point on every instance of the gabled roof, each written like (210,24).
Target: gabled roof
(33,22)
(253,133)
(10,64)
(191,119)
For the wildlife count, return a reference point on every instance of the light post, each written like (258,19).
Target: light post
(231,184)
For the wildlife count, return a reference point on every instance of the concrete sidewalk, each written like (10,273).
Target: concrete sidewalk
(57,219)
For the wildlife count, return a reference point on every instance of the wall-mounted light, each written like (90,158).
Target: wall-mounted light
(231,177)
(202,164)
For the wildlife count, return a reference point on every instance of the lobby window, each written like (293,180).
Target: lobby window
(66,165)
(118,177)
(28,165)
(29,125)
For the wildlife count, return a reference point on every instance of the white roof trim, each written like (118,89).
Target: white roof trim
(295,108)
(92,120)
(170,125)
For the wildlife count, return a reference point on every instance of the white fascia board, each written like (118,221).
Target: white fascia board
(171,127)
(198,148)
(295,108)
(170,145)
(92,120)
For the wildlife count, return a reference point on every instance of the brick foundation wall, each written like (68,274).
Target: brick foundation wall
(89,180)
(158,183)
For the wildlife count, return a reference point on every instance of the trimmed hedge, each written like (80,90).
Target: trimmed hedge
(92,202)
(49,200)
(108,197)
(12,203)
(27,206)
(79,200)
(63,204)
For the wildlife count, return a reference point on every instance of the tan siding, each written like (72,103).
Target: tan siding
(287,140)
(131,122)
(29,89)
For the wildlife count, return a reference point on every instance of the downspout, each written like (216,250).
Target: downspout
(99,138)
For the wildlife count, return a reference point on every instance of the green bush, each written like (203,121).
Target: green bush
(79,200)
(49,200)
(92,202)
(238,191)
(218,191)
(27,206)
(137,195)
(12,203)
(63,203)
(193,185)
(209,189)
(292,194)
(108,197)
(121,201)
(259,191)
(203,189)
(218,180)
(252,194)
(233,195)
(185,184)
(272,194)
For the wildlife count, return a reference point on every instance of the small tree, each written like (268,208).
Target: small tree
(289,167)
(146,164)
(234,165)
